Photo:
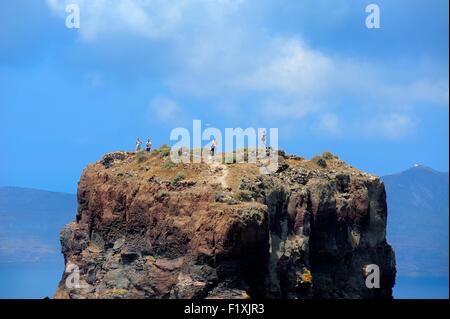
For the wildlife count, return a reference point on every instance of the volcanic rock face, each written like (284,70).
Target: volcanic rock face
(147,228)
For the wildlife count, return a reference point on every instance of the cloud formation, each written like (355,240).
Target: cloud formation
(390,126)
(217,57)
(152,19)
(163,109)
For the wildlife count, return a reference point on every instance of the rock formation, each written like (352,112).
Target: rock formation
(149,228)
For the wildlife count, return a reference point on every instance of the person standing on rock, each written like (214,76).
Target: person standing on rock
(263,138)
(138,144)
(213,146)
(263,142)
(148,145)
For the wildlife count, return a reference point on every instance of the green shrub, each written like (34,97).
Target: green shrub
(179,177)
(320,161)
(327,155)
(168,164)
(142,156)
(245,154)
(244,196)
(154,152)
(164,150)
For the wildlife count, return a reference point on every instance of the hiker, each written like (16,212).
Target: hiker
(263,137)
(213,146)
(148,145)
(138,144)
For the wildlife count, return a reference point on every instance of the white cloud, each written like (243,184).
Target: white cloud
(387,126)
(392,126)
(329,124)
(287,109)
(435,92)
(163,109)
(292,81)
(307,75)
(148,18)
(215,56)
(292,68)
(152,19)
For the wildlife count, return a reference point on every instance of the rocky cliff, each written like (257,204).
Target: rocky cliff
(149,228)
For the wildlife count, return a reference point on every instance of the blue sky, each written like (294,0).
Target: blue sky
(378,98)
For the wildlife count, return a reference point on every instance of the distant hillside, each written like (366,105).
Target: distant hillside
(418,221)
(30,221)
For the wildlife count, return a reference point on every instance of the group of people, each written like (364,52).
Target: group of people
(148,145)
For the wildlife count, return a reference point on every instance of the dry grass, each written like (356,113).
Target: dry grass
(161,167)
(143,166)
(238,172)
